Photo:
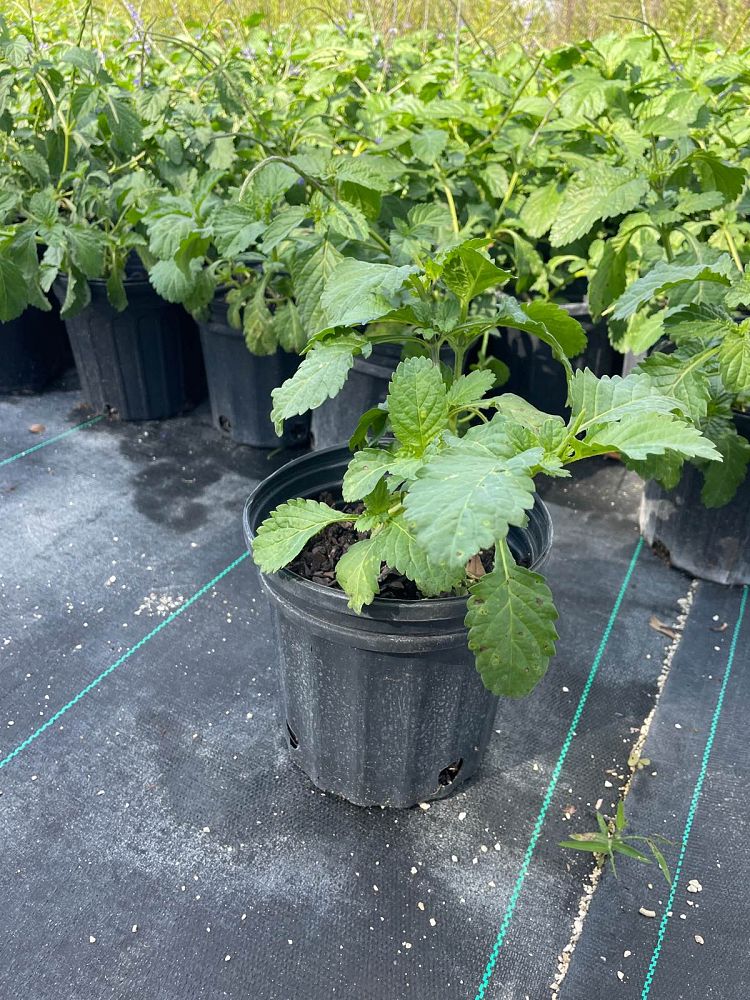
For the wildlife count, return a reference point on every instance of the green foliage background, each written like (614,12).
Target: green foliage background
(533,22)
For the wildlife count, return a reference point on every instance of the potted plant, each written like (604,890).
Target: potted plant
(76,161)
(395,573)
(699,516)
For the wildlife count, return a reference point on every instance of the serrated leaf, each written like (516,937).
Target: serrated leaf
(283,225)
(428,144)
(13,298)
(734,359)
(464,499)
(642,332)
(540,208)
(124,125)
(288,329)
(235,227)
(170,281)
(287,529)
(644,434)
(357,572)
(608,281)
(257,326)
(717,175)
(663,277)
(468,273)
(417,403)
(680,378)
(401,551)
(607,399)
(739,294)
(358,292)
(511,620)
(320,376)
(566,330)
(597,193)
(470,389)
(309,277)
(376,172)
(512,313)
(77,294)
(86,247)
(721,480)
(365,470)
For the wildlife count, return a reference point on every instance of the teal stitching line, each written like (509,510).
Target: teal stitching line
(549,794)
(694,804)
(113,666)
(57,437)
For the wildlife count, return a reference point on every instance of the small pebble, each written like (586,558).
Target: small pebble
(134,928)
(694,885)
(420,906)
(432,921)
(699,939)
(414,871)
(620,975)
(627,953)
(407,945)
(92,939)
(461,817)
(647,913)
(424,806)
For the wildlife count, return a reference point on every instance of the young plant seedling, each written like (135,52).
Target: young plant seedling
(610,839)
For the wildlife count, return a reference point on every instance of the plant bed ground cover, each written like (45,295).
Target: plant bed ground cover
(198,788)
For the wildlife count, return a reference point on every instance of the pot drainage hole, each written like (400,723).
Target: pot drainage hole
(449,773)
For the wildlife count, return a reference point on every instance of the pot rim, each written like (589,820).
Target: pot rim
(381,607)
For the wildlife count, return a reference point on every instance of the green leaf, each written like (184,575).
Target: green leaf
(428,144)
(512,313)
(511,620)
(235,227)
(283,225)
(468,273)
(77,294)
(721,480)
(288,329)
(417,403)
(358,292)
(257,325)
(663,277)
(597,193)
(464,499)
(167,231)
(660,860)
(357,572)
(470,389)
(717,175)
(365,470)
(739,294)
(170,281)
(309,277)
(642,332)
(608,281)
(734,359)
(87,247)
(320,376)
(680,378)
(286,531)
(539,210)
(124,125)
(402,552)
(376,172)
(116,288)
(566,330)
(606,400)
(13,297)
(644,434)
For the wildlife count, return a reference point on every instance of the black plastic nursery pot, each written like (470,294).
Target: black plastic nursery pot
(240,385)
(384,708)
(713,544)
(144,363)
(335,421)
(538,377)
(34,350)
